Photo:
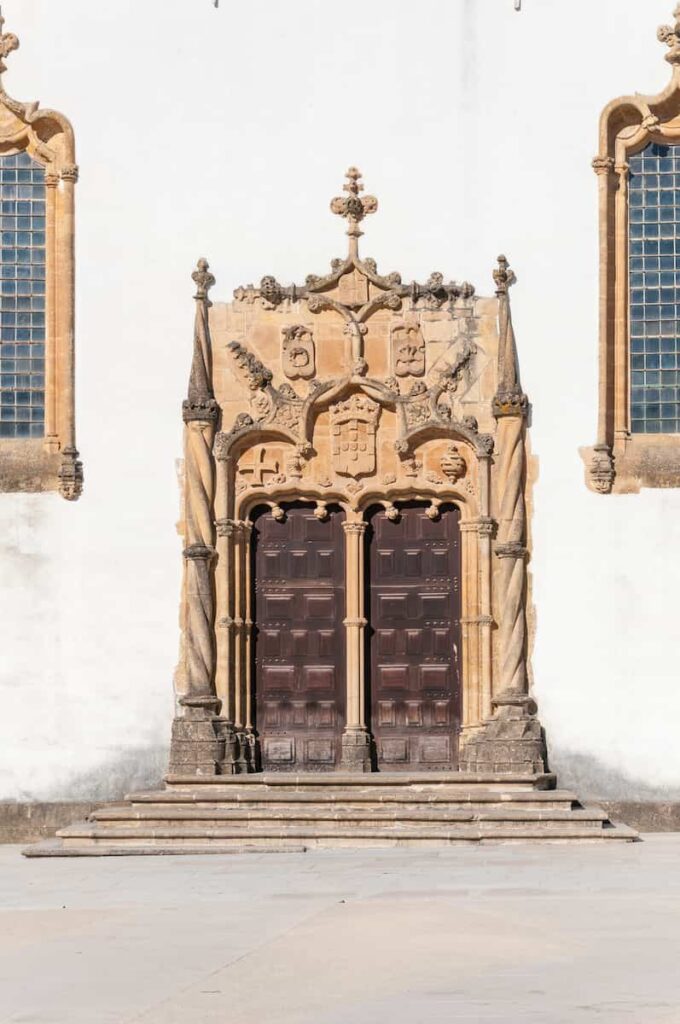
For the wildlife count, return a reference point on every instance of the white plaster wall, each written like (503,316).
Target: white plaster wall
(225,133)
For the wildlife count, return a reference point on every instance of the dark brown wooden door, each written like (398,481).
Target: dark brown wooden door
(299,639)
(414,639)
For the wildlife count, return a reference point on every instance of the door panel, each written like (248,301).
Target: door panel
(414,639)
(299,639)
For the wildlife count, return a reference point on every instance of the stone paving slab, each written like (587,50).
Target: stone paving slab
(510,935)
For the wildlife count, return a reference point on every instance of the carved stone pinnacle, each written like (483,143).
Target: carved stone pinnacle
(503,276)
(203,279)
(671,37)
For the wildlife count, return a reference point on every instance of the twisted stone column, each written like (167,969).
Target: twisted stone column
(510,549)
(196,745)
(511,741)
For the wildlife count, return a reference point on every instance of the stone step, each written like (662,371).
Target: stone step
(314,780)
(258,797)
(274,813)
(56,848)
(166,815)
(294,836)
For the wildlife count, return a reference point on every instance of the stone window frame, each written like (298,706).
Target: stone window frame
(620,461)
(49,463)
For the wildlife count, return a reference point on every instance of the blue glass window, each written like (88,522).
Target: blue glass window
(654,280)
(22,302)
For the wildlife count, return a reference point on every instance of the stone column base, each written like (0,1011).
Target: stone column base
(510,742)
(356,751)
(229,747)
(197,746)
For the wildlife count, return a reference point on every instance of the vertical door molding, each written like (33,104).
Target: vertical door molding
(355,740)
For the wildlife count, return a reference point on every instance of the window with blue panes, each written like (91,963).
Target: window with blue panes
(22,297)
(654,258)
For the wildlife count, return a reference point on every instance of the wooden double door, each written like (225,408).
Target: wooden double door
(412,638)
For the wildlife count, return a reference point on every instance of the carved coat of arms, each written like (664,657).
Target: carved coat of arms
(408,350)
(297,352)
(353,429)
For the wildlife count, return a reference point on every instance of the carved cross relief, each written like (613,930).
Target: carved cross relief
(262,468)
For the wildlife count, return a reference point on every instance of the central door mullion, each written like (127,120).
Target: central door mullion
(355,740)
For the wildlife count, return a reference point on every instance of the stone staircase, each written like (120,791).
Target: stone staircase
(282,812)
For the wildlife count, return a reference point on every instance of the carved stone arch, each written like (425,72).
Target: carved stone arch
(324,394)
(398,494)
(480,444)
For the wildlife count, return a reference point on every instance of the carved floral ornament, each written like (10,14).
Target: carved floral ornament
(623,460)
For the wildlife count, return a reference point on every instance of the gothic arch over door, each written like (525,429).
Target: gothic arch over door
(299,637)
(414,641)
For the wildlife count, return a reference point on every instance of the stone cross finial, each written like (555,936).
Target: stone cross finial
(354,207)
(203,279)
(8,43)
(671,37)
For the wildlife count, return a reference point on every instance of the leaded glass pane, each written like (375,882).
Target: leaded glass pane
(22,297)
(654,281)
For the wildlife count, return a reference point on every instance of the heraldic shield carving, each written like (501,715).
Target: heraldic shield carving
(354,424)
(297,352)
(408,350)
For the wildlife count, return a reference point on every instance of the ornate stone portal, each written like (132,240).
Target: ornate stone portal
(351,393)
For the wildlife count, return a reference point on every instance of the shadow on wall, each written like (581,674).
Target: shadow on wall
(144,768)
(594,780)
(132,769)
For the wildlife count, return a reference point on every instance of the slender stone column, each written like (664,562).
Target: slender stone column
(195,747)
(512,740)
(71,469)
(356,740)
(243,629)
(51,413)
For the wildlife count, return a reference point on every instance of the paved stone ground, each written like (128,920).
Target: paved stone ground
(547,935)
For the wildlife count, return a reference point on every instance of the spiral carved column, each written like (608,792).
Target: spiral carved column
(511,741)
(510,549)
(196,741)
